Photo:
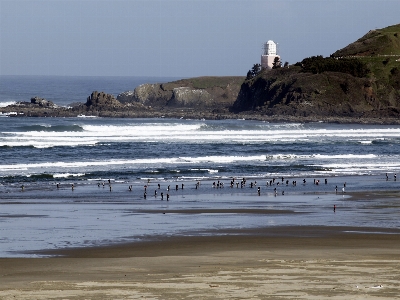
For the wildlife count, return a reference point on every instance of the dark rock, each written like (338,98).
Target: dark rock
(102,99)
(43,102)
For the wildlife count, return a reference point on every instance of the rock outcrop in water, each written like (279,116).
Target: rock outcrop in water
(101,99)
(43,102)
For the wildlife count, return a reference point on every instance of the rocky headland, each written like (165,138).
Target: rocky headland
(357,84)
(200,97)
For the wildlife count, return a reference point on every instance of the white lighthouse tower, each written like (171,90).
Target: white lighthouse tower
(269,54)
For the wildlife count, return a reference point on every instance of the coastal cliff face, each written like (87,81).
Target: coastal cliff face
(204,93)
(329,94)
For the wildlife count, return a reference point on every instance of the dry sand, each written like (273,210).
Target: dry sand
(278,263)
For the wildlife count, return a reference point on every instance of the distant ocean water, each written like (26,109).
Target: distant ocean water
(64,90)
(37,153)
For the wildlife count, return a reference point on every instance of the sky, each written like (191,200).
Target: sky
(176,38)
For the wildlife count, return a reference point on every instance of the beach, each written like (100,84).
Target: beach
(255,210)
(286,263)
(308,261)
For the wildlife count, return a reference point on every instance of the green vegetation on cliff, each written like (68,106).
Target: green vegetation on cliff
(358,81)
(319,64)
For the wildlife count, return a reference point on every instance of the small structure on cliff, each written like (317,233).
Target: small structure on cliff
(269,55)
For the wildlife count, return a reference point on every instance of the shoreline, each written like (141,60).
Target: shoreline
(338,265)
(266,262)
(96,218)
(93,216)
(19,111)
(239,239)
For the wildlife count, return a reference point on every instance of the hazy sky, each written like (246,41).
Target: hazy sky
(181,38)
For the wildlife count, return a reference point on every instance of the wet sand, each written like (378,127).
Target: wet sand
(264,263)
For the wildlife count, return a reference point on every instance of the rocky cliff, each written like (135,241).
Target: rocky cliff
(329,94)
(201,93)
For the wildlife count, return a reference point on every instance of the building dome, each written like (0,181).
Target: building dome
(270,48)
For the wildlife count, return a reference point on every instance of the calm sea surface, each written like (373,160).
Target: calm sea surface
(39,153)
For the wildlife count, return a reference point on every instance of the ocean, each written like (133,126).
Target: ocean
(83,149)
(41,159)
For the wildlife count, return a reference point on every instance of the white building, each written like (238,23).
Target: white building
(269,54)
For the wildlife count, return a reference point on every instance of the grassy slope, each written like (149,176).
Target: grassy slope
(377,42)
(380,50)
(206,82)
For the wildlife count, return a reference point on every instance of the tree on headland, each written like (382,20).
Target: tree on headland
(286,65)
(254,71)
(277,63)
(249,75)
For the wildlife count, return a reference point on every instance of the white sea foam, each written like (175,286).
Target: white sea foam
(223,159)
(7,103)
(319,156)
(132,162)
(206,170)
(192,133)
(341,162)
(360,165)
(85,116)
(345,156)
(66,175)
(47,143)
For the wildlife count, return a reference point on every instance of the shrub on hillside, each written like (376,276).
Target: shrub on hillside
(319,64)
